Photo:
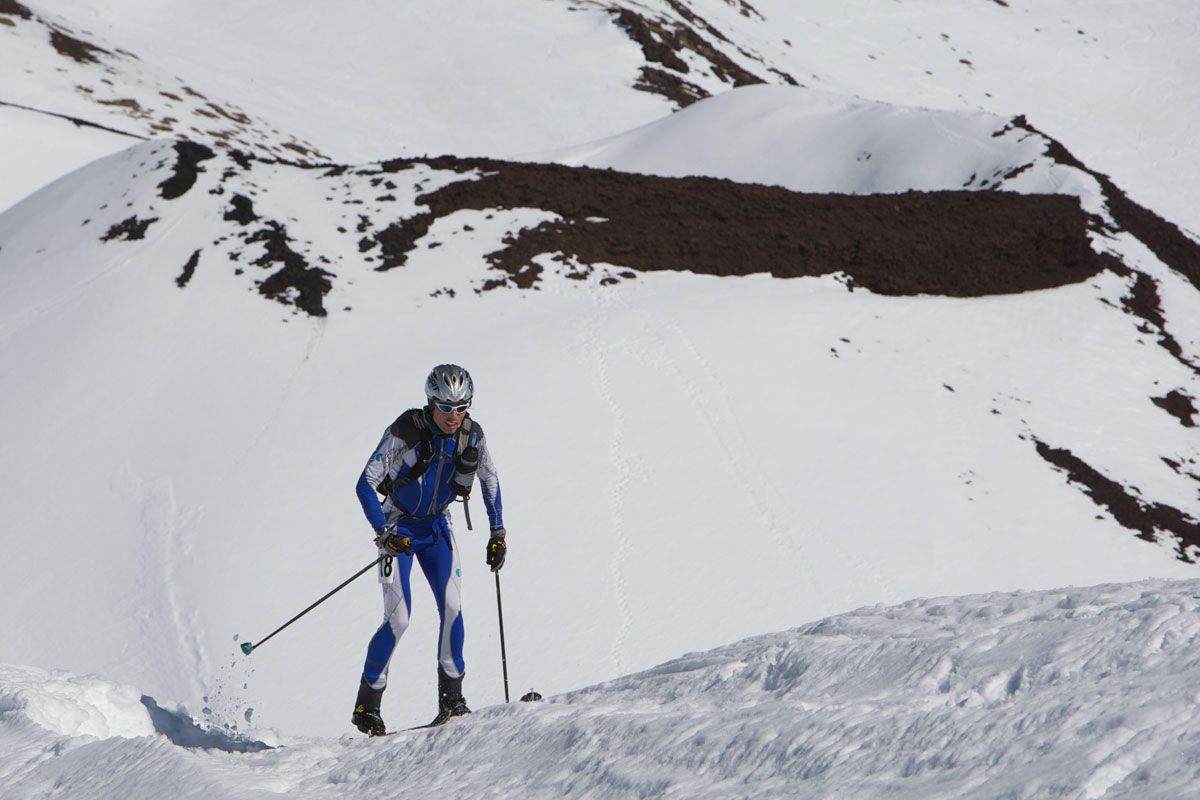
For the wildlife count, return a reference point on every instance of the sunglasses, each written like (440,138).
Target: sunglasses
(446,408)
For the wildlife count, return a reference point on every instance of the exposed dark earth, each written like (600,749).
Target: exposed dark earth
(962,244)
(1148,519)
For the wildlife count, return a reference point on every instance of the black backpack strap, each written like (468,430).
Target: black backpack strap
(466,442)
(411,428)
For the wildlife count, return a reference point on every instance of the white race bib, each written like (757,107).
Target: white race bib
(387,569)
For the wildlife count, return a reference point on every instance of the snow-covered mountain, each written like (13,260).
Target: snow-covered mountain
(856,335)
(374,81)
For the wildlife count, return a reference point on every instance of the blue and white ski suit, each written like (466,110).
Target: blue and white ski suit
(418,509)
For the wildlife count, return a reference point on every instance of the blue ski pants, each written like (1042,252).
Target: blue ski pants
(434,549)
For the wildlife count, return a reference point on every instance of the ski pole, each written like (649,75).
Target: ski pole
(503,656)
(248,648)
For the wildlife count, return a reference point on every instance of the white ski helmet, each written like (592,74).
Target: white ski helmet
(449,383)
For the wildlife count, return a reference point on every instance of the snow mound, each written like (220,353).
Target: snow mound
(813,141)
(1070,693)
(71,705)
(1081,692)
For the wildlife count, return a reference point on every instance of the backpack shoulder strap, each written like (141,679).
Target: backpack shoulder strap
(469,434)
(413,430)
(411,427)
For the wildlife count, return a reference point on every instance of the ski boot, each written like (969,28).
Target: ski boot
(451,702)
(366,710)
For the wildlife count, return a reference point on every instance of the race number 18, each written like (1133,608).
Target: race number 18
(387,569)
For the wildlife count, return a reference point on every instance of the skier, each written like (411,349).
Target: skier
(426,460)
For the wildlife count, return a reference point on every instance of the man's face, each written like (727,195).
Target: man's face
(451,420)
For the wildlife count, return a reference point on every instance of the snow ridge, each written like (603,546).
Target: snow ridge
(1071,693)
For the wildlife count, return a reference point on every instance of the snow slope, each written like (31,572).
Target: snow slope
(814,141)
(40,148)
(740,455)
(1073,693)
(208,451)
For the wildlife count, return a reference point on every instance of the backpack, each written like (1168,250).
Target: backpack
(411,427)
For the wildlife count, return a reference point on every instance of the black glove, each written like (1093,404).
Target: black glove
(496,550)
(396,545)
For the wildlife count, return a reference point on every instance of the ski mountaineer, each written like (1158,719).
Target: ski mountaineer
(427,459)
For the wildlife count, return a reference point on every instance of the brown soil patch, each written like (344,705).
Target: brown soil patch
(128,103)
(15,9)
(670,85)
(76,49)
(962,244)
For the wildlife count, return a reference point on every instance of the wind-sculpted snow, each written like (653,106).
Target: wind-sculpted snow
(1081,692)
(68,705)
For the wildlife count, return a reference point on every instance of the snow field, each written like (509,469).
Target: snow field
(1082,692)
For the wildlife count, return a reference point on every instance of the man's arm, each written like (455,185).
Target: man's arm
(384,463)
(490,482)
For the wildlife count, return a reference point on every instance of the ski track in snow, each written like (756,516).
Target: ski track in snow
(723,425)
(598,345)
(164,533)
(289,385)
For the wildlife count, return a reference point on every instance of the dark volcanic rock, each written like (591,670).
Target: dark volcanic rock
(242,211)
(1126,507)
(664,41)
(963,244)
(1143,301)
(14,9)
(1178,405)
(75,49)
(130,229)
(188,156)
(189,269)
(295,283)
(1172,246)
(670,85)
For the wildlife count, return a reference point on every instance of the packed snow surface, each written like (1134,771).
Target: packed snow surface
(1072,693)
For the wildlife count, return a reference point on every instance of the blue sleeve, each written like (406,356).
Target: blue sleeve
(370,502)
(388,456)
